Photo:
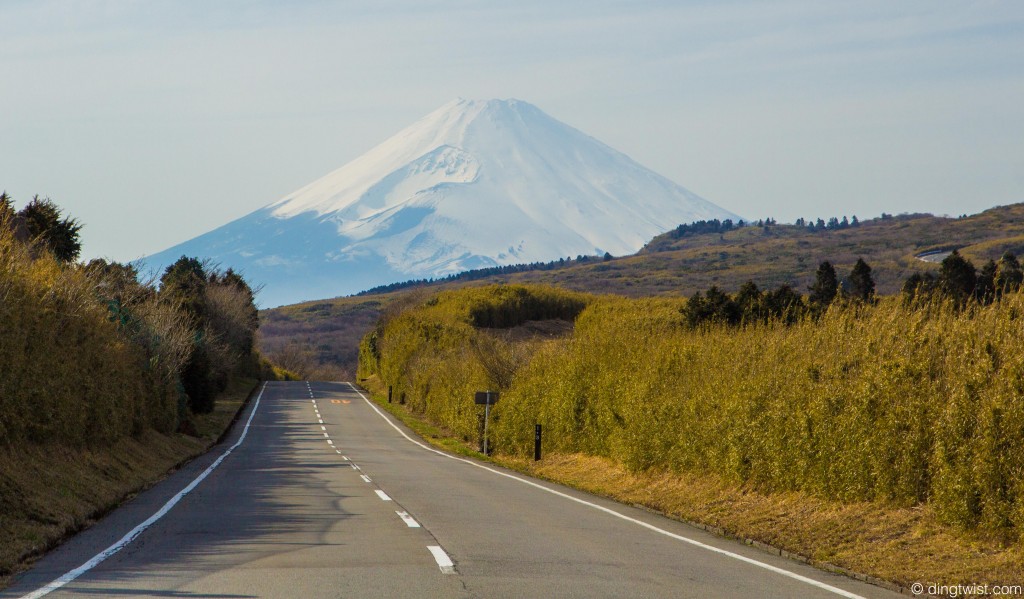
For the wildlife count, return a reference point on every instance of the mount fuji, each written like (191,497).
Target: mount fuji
(473,184)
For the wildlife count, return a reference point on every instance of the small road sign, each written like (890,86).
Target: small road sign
(486,398)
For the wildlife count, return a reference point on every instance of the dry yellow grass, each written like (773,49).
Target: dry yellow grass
(901,545)
(49,491)
(884,439)
(898,545)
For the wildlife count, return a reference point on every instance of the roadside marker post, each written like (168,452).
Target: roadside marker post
(486,399)
(536,443)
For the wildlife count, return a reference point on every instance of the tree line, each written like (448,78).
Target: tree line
(149,353)
(751,305)
(959,280)
(491,271)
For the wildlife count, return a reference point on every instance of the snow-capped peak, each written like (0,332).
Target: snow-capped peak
(475,183)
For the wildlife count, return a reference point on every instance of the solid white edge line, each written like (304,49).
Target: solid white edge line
(443,561)
(742,558)
(382,495)
(409,520)
(135,532)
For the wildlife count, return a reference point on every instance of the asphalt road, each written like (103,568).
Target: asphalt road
(327,497)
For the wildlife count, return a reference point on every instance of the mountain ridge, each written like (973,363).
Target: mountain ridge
(473,184)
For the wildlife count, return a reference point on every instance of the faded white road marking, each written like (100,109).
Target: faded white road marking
(382,495)
(409,521)
(695,543)
(443,561)
(322,427)
(135,532)
(365,478)
(329,442)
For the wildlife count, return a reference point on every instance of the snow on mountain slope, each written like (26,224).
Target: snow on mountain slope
(473,184)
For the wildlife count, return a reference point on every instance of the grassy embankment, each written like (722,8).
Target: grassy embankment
(50,491)
(887,440)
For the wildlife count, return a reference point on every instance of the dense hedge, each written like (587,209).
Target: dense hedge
(88,354)
(67,372)
(889,402)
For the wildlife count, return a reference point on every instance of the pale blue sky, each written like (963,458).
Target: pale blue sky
(155,121)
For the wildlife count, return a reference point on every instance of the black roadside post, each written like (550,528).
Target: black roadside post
(536,443)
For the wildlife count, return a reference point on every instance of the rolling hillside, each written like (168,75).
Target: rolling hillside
(325,334)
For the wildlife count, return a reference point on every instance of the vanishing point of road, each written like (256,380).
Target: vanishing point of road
(318,493)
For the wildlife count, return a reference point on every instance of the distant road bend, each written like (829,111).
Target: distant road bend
(320,494)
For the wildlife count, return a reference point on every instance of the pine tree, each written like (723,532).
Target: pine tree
(919,285)
(784,304)
(826,286)
(6,207)
(1009,275)
(750,301)
(862,286)
(985,289)
(957,277)
(184,283)
(47,226)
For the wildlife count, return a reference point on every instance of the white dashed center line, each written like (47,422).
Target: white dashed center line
(365,478)
(382,495)
(443,561)
(408,519)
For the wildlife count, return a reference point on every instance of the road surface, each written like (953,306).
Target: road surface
(322,495)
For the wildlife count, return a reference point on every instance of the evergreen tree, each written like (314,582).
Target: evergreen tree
(750,302)
(6,207)
(862,286)
(825,288)
(1009,275)
(985,290)
(784,304)
(46,226)
(184,282)
(957,277)
(721,307)
(116,282)
(919,285)
(696,311)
